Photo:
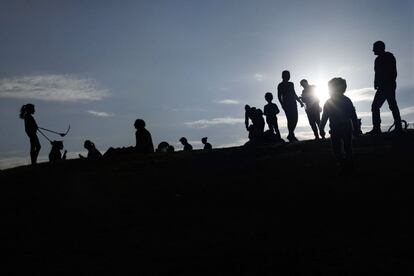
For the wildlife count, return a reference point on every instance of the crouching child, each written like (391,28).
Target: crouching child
(343,123)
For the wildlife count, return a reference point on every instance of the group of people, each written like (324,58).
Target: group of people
(338,109)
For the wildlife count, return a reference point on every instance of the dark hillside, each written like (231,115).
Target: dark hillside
(243,211)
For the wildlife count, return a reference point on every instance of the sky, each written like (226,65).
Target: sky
(186,67)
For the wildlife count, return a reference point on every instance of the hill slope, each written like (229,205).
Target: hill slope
(246,211)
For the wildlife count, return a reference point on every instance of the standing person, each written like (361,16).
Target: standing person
(143,138)
(312,108)
(288,98)
(270,111)
(385,83)
(30,126)
(342,121)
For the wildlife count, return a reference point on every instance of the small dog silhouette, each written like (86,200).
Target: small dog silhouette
(55,154)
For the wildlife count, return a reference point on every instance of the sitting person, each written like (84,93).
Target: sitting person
(163,147)
(55,153)
(187,146)
(93,153)
(143,138)
(207,145)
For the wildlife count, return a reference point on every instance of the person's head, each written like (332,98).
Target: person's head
(304,83)
(286,75)
(337,86)
(268,97)
(259,112)
(247,107)
(88,145)
(139,124)
(204,140)
(26,109)
(58,145)
(378,48)
(183,140)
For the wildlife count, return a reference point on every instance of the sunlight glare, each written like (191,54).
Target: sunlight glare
(322,91)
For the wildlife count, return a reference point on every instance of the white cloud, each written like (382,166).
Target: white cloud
(258,77)
(100,113)
(59,88)
(362,94)
(204,123)
(228,101)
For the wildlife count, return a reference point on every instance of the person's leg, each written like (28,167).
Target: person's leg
(276,127)
(349,160)
(392,102)
(312,122)
(378,101)
(336,142)
(289,119)
(34,148)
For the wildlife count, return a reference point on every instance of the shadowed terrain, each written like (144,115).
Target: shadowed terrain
(272,209)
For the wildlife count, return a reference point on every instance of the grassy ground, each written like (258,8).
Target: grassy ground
(256,211)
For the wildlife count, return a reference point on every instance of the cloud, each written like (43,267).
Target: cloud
(100,113)
(59,88)
(362,94)
(228,101)
(204,123)
(258,77)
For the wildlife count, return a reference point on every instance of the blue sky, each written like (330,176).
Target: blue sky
(186,67)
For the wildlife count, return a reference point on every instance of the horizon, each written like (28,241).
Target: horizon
(186,68)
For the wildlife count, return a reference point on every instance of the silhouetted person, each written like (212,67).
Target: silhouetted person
(312,108)
(270,111)
(342,121)
(248,116)
(93,153)
(288,98)
(55,154)
(187,146)
(163,147)
(385,84)
(207,146)
(171,148)
(30,126)
(143,138)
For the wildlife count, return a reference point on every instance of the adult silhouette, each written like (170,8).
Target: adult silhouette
(342,121)
(93,152)
(207,145)
(288,98)
(312,108)
(270,111)
(143,138)
(187,146)
(31,128)
(385,83)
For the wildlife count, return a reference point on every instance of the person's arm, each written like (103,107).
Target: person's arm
(325,117)
(297,98)
(277,109)
(279,95)
(354,117)
(376,77)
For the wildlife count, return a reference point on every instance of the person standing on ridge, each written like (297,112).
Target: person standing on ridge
(30,126)
(385,83)
(288,98)
(271,110)
(342,121)
(312,108)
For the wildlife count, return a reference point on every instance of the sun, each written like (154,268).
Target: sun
(322,91)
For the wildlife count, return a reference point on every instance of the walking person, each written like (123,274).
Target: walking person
(385,85)
(312,108)
(288,100)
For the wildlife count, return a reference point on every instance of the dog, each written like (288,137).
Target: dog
(55,154)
